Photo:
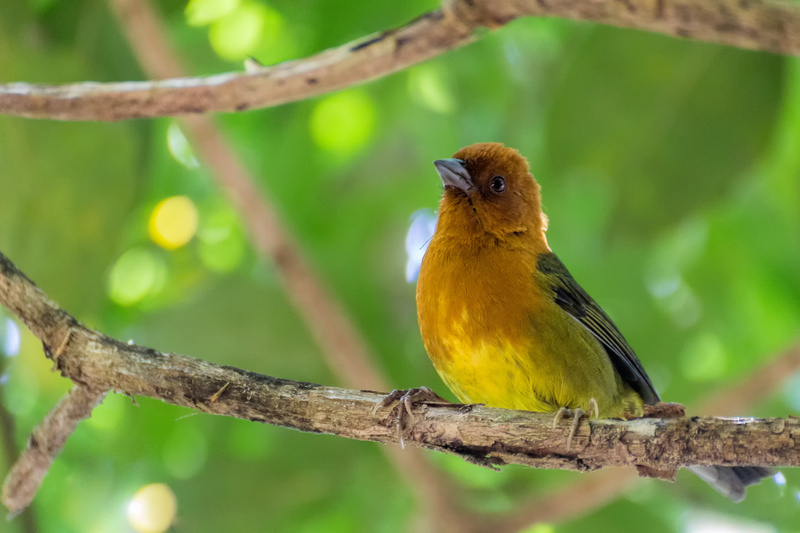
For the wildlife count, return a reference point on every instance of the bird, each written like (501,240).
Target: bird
(506,325)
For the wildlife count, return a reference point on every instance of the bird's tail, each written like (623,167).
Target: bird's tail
(731,481)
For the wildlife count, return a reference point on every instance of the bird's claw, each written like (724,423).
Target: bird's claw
(594,408)
(577,415)
(408,398)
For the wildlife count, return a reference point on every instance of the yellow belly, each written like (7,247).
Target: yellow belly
(492,348)
(496,374)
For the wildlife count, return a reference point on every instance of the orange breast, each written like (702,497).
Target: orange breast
(474,307)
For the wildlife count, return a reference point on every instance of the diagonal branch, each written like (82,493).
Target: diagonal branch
(45,444)
(769,25)
(28,519)
(330,324)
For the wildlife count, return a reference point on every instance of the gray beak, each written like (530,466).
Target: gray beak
(454,174)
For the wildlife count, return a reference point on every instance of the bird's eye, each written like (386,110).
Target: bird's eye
(498,184)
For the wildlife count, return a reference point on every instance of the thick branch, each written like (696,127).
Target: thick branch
(486,434)
(770,25)
(506,437)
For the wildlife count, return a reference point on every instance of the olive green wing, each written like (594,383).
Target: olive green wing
(580,306)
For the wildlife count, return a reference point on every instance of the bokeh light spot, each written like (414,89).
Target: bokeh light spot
(238,34)
(173,222)
(710,522)
(540,528)
(138,273)
(343,122)
(791,391)
(704,358)
(152,509)
(427,87)
(276,43)
(202,12)
(222,239)
(12,340)
(180,148)
(423,224)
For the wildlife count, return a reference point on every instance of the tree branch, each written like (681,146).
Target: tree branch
(732,20)
(602,487)
(480,434)
(769,25)
(45,444)
(28,522)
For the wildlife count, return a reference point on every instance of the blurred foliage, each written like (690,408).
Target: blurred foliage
(670,171)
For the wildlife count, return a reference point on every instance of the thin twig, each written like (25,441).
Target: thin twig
(329,322)
(45,443)
(769,25)
(27,518)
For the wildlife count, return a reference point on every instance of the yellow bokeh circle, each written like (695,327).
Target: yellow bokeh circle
(343,122)
(152,509)
(173,222)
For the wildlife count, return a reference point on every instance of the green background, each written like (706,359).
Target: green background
(670,171)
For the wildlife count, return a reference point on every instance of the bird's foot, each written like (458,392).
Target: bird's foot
(577,415)
(407,400)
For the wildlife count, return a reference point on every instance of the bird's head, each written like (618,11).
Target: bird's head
(488,189)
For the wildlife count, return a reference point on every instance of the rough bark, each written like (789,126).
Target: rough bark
(486,435)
